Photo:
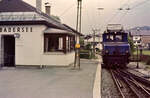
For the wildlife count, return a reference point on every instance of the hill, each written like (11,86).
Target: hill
(141,28)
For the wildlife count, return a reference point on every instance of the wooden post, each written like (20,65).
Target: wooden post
(75,59)
(79,58)
(137,58)
(141,53)
(64,44)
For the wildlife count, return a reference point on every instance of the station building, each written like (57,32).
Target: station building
(30,37)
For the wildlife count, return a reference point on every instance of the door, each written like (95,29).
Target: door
(1,51)
(9,50)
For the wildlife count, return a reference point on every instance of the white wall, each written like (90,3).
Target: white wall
(29,49)
(58,59)
(29,46)
(136,38)
(97,39)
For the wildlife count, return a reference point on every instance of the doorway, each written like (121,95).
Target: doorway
(8,42)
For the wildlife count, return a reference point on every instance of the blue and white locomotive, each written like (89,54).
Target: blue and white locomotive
(116,49)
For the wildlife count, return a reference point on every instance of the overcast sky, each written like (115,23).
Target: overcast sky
(139,15)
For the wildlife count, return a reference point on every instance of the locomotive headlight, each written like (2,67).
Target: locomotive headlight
(127,51)
(106,51)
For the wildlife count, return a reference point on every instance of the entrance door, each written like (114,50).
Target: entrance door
(9,50)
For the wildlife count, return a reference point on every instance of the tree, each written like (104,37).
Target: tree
(81,41)
(132,46)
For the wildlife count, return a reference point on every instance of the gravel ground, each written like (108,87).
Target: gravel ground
(134,65)
(143,68)
(109,89)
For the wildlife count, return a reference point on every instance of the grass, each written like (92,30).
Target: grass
(147,67)
(145,57)
(144,52)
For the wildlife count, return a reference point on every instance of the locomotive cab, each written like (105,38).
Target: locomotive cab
(115,37)
(116,49)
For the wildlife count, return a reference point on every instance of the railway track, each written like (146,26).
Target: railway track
(130,85)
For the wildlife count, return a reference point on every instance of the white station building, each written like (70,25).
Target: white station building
(30,37)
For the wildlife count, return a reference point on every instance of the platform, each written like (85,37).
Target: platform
(53,82)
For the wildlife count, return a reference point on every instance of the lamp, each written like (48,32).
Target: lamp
(17,35)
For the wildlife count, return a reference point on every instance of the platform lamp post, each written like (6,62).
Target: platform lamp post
(94,42)
(137,57)
(137,52)
(78,28)
(99,9)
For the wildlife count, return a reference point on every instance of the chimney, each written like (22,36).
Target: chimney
(39,5)
(48,8)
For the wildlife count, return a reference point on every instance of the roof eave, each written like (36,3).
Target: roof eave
(35,22)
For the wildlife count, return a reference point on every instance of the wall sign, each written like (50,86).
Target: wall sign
(16,29)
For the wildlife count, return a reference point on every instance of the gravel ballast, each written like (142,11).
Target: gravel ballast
(109,89)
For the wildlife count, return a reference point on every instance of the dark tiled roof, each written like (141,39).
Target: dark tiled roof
(21,6)
(73,29)
(28,23)
(15,6)
(145,39)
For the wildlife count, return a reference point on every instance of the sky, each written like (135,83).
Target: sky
(92,18)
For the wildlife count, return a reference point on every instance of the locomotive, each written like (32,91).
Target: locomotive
(116,49)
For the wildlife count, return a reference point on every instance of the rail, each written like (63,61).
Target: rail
(130,85)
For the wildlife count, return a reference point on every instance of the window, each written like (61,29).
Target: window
(109,37)
(58,43)
(138,41)
(53,43)
(118,38)
(114,37)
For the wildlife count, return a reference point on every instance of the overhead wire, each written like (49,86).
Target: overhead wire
(116,13)
(126,12)
(67,10)
(134,7)
(127,3)
(139,4)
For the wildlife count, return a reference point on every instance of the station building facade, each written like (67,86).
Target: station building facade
(31,37)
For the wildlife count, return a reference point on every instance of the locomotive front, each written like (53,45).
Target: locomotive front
(116,49)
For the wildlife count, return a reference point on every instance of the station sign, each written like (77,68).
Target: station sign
(16,29)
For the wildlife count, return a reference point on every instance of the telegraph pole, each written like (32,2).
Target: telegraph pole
(94,35)
(78,28)
(94,42)
(79,15)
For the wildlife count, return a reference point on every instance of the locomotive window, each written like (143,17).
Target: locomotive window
(118,38)
(110,37)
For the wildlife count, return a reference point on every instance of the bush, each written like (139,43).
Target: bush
(92,56)
(148,61)
(88,47)
(144,58)
(85,54)
(131,45)
(84,51)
